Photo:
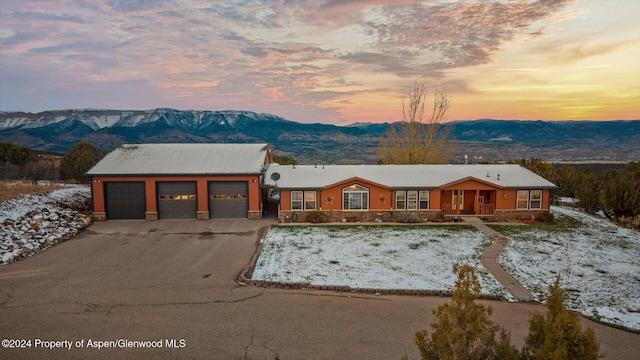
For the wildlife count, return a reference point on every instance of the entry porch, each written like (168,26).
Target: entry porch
(468,202)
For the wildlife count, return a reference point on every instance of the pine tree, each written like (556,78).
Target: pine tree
(78,160)
(558,334)
(463,329)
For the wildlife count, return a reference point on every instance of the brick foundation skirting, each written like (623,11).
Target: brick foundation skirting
(245,279)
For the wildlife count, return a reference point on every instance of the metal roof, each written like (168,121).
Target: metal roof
(182,159)
(403,176)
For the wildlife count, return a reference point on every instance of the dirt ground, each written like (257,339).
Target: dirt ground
(174,281)
(12,189)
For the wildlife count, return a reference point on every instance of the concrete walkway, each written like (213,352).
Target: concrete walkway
(490,260)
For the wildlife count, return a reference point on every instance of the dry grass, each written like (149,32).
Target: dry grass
(16,189)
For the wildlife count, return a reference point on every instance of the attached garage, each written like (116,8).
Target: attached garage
(177,199)
(228,199)
(125,200)
(180,181)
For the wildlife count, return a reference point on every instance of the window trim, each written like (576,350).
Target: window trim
(402,197)
(303,200)
(538,200)
(525,199)
(300,200)
(529,200)
(421,199)
(306,201)
(354,189)
(412,200)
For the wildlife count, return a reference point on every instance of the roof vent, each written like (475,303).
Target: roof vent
(488,174)
(498,176)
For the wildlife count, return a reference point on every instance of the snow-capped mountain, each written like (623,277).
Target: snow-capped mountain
(100,119)
(489,140)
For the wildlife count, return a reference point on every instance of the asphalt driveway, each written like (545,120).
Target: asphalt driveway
(171,284)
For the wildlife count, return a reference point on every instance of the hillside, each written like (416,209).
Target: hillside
(481,140)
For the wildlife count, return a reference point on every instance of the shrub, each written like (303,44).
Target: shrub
(317,216)
(545,217)
(632,222)
(558,334)
(463,329)
(403,217)
(439,217)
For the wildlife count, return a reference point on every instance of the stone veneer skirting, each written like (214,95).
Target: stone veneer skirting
(245,279)
(286,216)
(353,216)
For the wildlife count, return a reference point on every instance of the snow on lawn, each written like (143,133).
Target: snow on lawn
(33,223)
(599,264)
(385,257)
(68,196)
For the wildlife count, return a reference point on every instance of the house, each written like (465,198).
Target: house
(368,192)
(180,181)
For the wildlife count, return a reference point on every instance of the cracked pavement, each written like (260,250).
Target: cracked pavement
(176,279)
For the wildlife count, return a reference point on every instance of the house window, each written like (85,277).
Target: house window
(401,198)
(355,197)
(535,201)
(529,199)
(424,199)
(303,200)
(296,200)
(412,200)
(309,200)
(522,199)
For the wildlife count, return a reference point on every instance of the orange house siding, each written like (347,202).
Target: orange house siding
(495,200)
(253,181)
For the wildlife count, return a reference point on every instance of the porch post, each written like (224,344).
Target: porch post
(477,202)
(458,202)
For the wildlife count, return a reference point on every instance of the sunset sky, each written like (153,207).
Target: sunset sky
(324,61)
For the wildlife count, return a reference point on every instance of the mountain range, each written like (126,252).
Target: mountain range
(481,140)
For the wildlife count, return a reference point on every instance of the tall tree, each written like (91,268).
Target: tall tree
(419,139)
(78,160)
(284,160)
(463,329)
(16,154)
(539,166)
(558,334)
(587,191)
(620,194)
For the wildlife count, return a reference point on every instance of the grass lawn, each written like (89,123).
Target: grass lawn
(400,257)
(598,261)
(17,189)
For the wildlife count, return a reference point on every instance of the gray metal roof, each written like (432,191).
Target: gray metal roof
(182,159)
(403,176)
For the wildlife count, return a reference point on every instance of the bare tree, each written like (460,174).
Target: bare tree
(420,140)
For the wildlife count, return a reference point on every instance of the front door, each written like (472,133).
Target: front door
(454,200)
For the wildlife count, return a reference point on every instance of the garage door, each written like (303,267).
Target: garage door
(228,199)
(125,200)
(177,200)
